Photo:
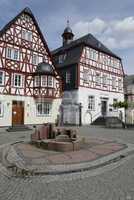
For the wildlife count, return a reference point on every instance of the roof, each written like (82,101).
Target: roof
(129,80)
(28,12)
(76,46)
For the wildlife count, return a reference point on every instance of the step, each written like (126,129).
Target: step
(18,128)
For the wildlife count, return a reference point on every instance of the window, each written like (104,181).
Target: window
(104,79)
(37,81)
(1,78)
(92,54)
(12,53)
(44,81)
(16,54)
(86,75)
(1,109)
(62,57)
(26,35)
(114,102)
(120,84)
(68,77)
(35,59)
(91,103)
(29,36)
(23,34)
(17,80)
(44,109)
(98,79)
(113,82)
(9,53)
(50,81)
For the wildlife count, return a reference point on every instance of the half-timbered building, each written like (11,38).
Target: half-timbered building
(92,79)
(30,87)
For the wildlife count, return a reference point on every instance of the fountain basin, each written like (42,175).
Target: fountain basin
(62,145)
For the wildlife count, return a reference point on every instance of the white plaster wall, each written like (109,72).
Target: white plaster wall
(83,94)
(30,116)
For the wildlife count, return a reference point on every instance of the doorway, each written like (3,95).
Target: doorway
(104,108)
(17,113)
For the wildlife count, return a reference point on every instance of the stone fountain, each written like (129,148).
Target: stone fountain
(56,139)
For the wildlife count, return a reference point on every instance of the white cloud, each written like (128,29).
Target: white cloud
(117,34)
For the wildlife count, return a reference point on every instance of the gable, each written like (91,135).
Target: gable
(12,32)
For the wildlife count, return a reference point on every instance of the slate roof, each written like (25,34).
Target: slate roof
(129,80)
(29,12)
(74,49)
(44,68)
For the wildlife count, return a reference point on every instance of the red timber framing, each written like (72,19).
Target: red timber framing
(11,37)
(92,67)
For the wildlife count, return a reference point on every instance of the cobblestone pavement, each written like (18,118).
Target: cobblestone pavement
(113,182)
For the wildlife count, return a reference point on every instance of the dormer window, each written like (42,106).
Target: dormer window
(62,57)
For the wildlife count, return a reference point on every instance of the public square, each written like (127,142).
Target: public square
(112,181)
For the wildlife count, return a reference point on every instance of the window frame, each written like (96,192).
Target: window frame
(50,81)
(44,81)
(35,81)
(21,80)
(18,53)
(35,61)
(68,77)
(48,108)
(25,35)
(98,78)
(91,103)
(3,76)
(114,82)
(1,109)
(104,80)
(7,52)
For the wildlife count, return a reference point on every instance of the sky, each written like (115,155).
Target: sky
(112,22)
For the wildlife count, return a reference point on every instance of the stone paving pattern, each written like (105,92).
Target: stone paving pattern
(114,182)
(93,149)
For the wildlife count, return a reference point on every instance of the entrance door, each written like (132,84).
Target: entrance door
(17,113)
(104,108)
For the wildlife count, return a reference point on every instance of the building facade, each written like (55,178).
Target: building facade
(30,87)
(129,93)
(92,79)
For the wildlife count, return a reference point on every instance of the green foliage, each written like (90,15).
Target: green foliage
(121,104)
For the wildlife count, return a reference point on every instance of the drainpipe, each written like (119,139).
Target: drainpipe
(80,114)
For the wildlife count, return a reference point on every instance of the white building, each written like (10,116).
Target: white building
(92,78)
(30,87)
(129,92)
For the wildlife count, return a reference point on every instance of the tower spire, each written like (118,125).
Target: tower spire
(68,23)
(67,34)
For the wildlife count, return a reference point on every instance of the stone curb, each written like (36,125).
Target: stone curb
(79,167)
(73,168)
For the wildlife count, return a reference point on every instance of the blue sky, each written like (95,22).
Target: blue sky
(112,22)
